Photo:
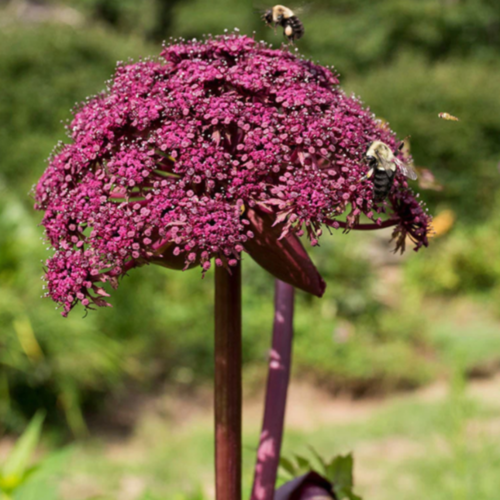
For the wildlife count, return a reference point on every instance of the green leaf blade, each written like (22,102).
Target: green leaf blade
(288,466)
(19,459)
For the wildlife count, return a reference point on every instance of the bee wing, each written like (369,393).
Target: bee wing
(385,163)
(406,169)
(261,13)
(302,9)
(261,8)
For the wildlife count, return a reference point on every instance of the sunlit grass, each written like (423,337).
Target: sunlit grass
(438,446)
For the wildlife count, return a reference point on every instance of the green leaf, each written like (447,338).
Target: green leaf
(339,472)
(18,461)
(303,463)
(37,490)
(288,466)
(319,458)
(54,463)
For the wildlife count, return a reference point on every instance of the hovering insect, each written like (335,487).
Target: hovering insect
(426,179)
(383,164)
(447,116)
(279,15)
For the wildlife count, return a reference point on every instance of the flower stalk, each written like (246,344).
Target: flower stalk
(227,393)
(268,454)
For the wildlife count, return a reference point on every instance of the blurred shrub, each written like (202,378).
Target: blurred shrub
(349,339)
(465,262)
(199,17)
(149,18)
(357,35)
(44,362)
(159,19)
(45,70)
(125,15)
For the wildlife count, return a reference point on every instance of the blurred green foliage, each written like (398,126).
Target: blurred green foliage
(16,471)
(149,18)
(362,34)
(45,71)
(409,60)
(466,263)
(20,477)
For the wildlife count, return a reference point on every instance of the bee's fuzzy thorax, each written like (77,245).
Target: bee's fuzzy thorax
(281,10)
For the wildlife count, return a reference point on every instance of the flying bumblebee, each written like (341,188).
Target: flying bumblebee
(383,164)
(279,15)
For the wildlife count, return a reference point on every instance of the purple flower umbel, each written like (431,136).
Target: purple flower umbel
(215,148)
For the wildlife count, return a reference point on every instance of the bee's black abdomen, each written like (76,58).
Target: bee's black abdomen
(382,183)
(296,26)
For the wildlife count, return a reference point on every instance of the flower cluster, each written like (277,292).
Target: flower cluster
(166,165)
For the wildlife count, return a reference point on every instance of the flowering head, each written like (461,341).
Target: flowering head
(215,148)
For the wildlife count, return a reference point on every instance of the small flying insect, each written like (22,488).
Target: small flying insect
(383,164)
(279,15)
(447,116)
(426,179)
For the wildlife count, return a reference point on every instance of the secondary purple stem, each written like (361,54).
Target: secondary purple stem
(268,454)
(227,393)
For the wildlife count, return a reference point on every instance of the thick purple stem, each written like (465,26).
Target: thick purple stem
(227,399)
(268,455)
